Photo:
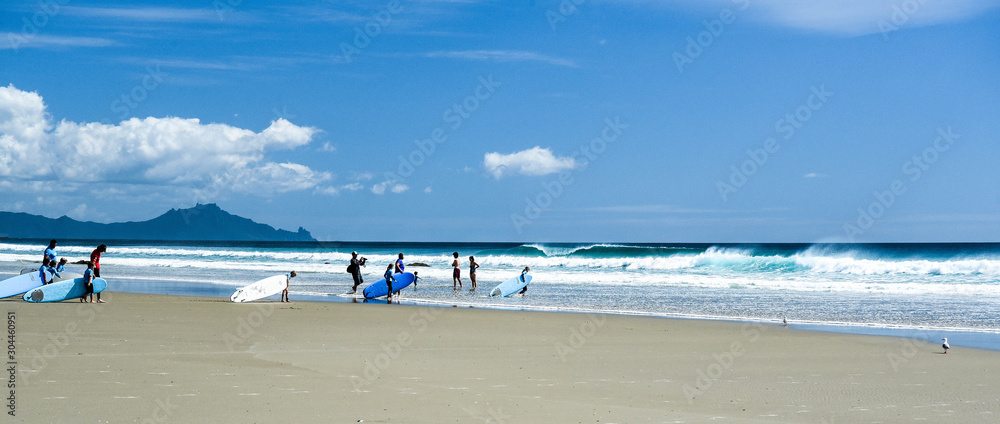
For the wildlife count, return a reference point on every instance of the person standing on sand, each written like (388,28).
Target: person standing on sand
(50,252)
(95,257)
(355,269)
(399,264)
(288,282)
(389,279)
(456,273)
(88,283)
(472,271)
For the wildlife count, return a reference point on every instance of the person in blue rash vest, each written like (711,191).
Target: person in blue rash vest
(62,265)
(88,283)
(50,252)
(399,265)
(45,270)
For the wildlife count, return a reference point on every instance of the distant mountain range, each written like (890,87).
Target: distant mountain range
(200,223)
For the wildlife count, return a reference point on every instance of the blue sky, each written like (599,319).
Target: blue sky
(606,121)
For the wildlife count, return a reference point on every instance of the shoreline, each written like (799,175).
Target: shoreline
(198,359)
(969,338)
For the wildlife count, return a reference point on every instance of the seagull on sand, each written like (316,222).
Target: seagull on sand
(784,320)
(945,345)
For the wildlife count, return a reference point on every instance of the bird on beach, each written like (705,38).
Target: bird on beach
(784,320)
(945,345)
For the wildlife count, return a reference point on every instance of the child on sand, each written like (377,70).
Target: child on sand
(288,282)
(43,270)
(88,283)
(62,265)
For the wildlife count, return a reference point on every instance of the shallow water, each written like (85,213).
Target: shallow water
(927,287)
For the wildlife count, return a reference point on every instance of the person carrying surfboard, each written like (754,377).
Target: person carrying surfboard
(43,271)
(399,265)
(288,282)
(456,274)
(95,257)
(389,279)
(525,271)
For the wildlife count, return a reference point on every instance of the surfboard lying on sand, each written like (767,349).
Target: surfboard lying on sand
(63,290)
(269,286)
(510,286)
(16,285)
(380,288)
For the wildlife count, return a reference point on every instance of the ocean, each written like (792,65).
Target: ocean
(924,290)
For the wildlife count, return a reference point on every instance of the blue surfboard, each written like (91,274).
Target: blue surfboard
(63,290)
(510,286)
(380,288)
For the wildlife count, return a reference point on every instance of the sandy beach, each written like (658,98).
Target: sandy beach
(154,358)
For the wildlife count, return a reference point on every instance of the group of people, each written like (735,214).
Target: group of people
(51,267)
(456,274)
(398,267)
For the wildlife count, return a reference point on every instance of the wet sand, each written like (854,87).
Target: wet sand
(155,358)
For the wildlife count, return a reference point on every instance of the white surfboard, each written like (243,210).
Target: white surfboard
(511,286)
(63,276)
(269,286)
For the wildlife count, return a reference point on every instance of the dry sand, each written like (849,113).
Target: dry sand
(151,358)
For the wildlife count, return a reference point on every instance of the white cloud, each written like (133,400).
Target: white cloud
(815,175)
(327,147)
(23,127)
(79,212)
(839,17)
(13,40)
(392,186)
(279,177)
(535,161)
(502,56)
(428,189)
(353,187)
(152,151)
(330,191)
(380,187)
(336,190)
(149,14)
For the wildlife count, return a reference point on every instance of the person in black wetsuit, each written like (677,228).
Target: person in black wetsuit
(355,270)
